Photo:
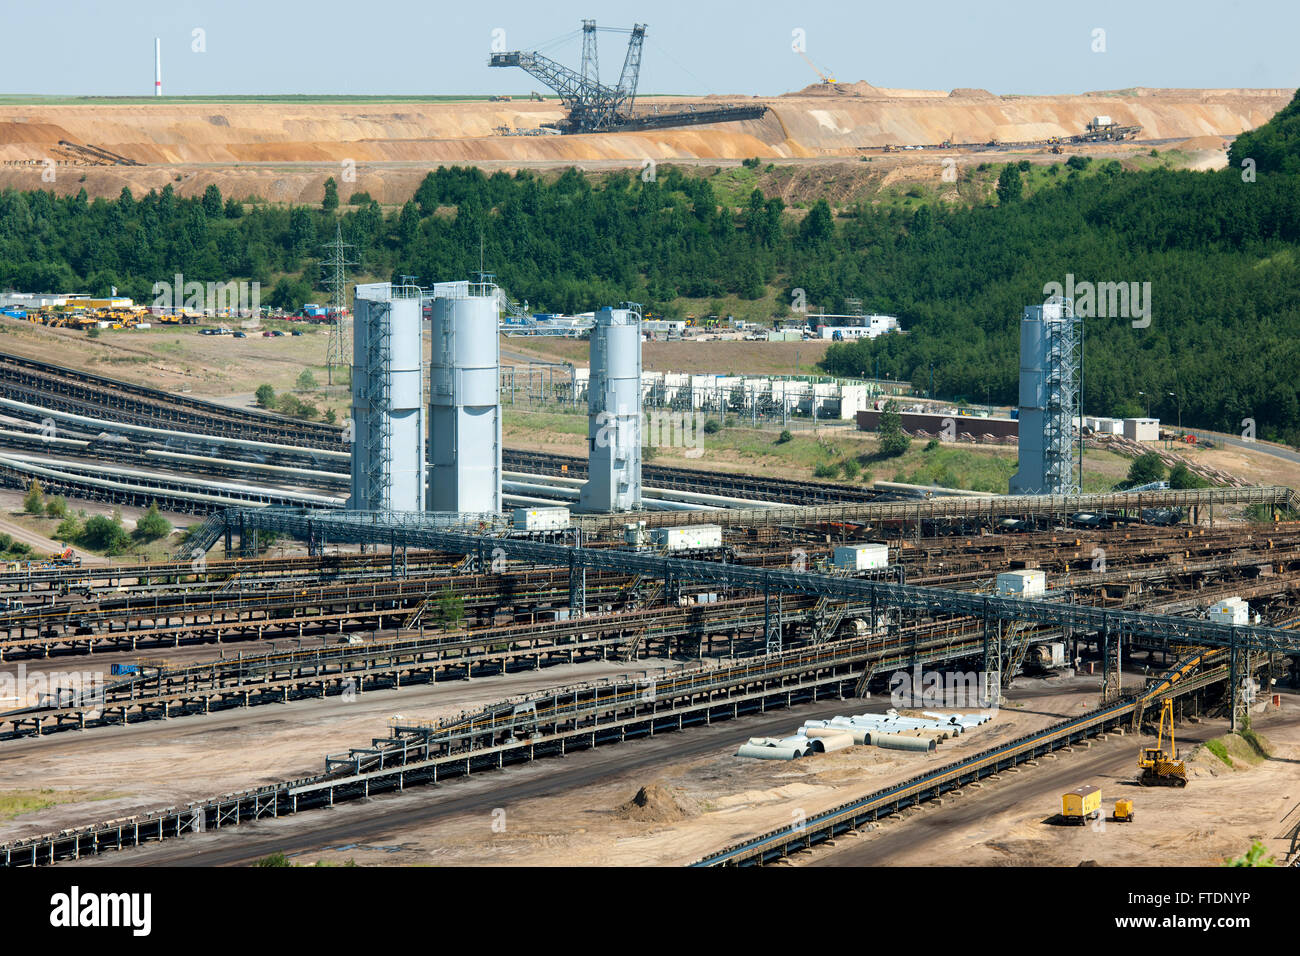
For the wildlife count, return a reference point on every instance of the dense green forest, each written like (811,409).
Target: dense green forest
(1219,249)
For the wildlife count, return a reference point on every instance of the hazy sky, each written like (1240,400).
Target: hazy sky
(431,47)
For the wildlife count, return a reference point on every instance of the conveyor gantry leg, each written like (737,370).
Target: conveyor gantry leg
(992,661)
(1110,664)
(577,587)
(771,625)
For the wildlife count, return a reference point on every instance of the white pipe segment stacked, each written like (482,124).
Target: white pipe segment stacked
(801,743)
(769,748)
(887,741)
(830,739)
(817,728)
(890,730)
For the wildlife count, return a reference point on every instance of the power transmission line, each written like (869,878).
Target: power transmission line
(338,349)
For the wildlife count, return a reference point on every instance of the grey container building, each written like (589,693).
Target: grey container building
(614,410)
(464,399)
(388,441)
(1050,385)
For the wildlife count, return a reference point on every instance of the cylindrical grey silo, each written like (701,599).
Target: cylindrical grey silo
(1049,400)
(464,402)
(388,469)
(614,407)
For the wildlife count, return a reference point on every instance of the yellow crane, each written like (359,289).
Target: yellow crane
(826,78)
(1161,769)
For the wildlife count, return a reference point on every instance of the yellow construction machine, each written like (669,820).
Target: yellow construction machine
(1160,769)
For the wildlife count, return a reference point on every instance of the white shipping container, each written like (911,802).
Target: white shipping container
(1026,583)
(1056,654)
(701,537)
(541,519)
(862,557)
(1231,610)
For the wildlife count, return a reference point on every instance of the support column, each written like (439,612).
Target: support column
(1110,663)
(771,627)
(577,587)
(1238,674)
(992,661)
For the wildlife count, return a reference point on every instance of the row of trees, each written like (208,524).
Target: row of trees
(103,533)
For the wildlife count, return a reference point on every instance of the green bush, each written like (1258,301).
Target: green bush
(288,404)
(784,437)
(33,501)
(306,380)
(711,427)
(265,396)
(890,432)
(152,525)
(450,609)
(69,529)
(106,535)
(932,444)
(1253,857)
(850,468)
(825,470)
(1180,477)
(1144,470)
(56,507)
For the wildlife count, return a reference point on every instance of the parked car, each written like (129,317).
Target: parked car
(240,335)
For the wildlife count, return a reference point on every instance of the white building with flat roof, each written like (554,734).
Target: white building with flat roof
(1142,429)
(848,327)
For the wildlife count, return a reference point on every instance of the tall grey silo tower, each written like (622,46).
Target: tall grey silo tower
(614,408)
(464,399)
(388,470)
(1050,385)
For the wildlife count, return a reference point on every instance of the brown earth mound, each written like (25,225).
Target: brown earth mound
(652,804)
(284,151)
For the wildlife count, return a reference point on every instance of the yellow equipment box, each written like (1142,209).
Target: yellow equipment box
(1081,803)
(1123,811)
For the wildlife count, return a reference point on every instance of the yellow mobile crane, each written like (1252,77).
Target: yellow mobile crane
(827,78)
(1160,769)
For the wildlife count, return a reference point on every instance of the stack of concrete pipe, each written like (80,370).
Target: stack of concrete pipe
(925,732)
(830,738)
(889,731)
(887,741)
(774,748)
(817,740)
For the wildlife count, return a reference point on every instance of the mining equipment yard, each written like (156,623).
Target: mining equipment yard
(314,701)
